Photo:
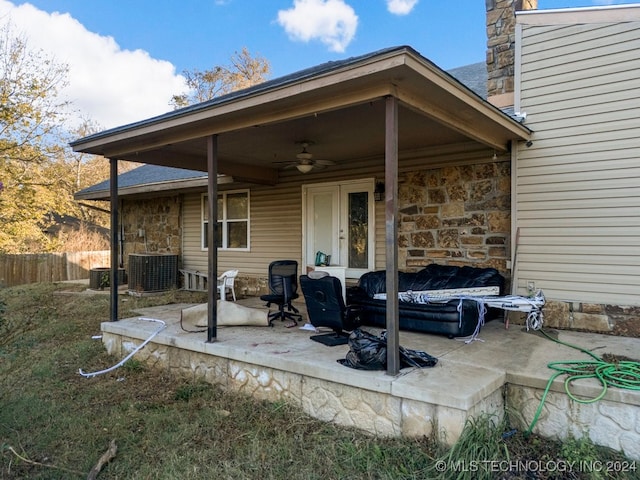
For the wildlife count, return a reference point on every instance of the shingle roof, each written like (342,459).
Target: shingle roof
(144,175)
(310,72)
(473,76)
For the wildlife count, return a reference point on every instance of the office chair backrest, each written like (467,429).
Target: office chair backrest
(325,305)
(278,271)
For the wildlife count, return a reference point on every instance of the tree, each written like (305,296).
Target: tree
(31,114)
(245,71)
(39,174)
(84,170)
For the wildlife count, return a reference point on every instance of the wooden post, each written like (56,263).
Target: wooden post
(391,234)
(212,238)
(115,232)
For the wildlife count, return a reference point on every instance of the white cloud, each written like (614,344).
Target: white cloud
(333,22)
(108,85)
(401,7)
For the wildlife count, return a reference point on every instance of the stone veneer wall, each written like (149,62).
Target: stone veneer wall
(159,221)
(606,422)
(501,40)
(589,317)
(458,215)
(461,215)
(375,412)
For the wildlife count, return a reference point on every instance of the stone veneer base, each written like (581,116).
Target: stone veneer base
(394,406)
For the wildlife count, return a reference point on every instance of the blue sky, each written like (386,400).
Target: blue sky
(133,52)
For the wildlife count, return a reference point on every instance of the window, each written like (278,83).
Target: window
(233,220)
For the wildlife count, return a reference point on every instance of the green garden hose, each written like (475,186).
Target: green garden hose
(623,374)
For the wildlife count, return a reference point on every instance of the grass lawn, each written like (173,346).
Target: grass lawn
(55,424)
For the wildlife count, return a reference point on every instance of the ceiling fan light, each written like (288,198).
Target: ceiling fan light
(304,167)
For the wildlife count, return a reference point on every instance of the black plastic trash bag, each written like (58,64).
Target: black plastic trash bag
(366,351)
(369,352)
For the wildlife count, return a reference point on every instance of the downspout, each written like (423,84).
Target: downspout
(517,108)
(113,184)
(515,234)
(212,238)
(391,234)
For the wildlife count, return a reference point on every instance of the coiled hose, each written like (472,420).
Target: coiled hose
(622,374)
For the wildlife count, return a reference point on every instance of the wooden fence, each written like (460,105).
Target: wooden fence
(50,267)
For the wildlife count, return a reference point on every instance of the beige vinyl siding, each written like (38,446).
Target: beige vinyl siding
(193,258)
(276,212)
(275,232)
(275,223)
(577,188)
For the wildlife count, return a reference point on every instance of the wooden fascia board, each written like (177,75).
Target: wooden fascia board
(218,125)
(249,173)
(445,117)
(172,186)
(245,109)
(451,90)
(242,172)
(372,79)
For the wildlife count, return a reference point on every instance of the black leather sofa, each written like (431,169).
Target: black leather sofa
(457,317)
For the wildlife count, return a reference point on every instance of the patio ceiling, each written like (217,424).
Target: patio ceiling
(339,106)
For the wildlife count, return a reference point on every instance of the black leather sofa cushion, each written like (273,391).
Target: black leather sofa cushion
(455,318)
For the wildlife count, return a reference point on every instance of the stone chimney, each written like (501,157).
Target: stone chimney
(501,38)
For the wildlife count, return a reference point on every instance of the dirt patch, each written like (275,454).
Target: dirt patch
(627,328)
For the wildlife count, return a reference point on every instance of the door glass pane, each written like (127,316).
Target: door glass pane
(358,230)
(323,223)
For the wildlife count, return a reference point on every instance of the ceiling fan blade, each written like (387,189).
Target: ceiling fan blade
(286,162)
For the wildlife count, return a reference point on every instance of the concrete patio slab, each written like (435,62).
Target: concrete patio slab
(502,367)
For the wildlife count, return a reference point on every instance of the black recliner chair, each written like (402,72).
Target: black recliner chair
(326,308)
(283,289)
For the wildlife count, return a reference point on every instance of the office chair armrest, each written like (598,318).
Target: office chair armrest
(352,317)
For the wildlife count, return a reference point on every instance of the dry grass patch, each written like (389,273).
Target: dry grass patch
(55,424)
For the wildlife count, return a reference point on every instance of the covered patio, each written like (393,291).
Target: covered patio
(390,107)
(396,110)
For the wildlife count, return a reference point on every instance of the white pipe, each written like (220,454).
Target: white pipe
(136,350)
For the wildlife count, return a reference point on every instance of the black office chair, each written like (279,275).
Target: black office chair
(283,289)
(326,308)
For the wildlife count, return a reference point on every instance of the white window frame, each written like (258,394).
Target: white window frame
(224,221)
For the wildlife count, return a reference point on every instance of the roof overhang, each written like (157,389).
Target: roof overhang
(339,106)
(146,189)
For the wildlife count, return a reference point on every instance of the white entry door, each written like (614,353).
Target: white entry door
(339,221)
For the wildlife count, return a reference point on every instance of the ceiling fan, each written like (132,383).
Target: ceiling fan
(304,161)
